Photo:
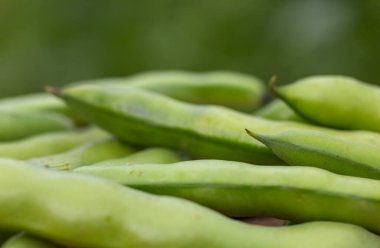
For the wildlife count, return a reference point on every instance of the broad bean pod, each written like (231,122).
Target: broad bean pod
(86,154)
(317,149)
(232,89)
(34,102)
(49,143)
(39,102)
(294,193)
(155,155)
(85,211)
(149,119)
(278,110)
(23,240)
(15,124)
(334,101)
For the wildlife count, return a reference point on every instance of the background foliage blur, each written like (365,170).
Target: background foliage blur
(52,42)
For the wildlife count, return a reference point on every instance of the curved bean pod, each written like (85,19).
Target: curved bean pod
(86,154)
(154,155)
(334,101)
(23,240)
(317,149)
(33,102)
(150,119)
(298,194)
(49,143)
(85,211)
(278,110)
(21,124)
(231,89)
(38,102)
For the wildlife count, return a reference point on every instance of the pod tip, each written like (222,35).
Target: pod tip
(53,90)
(250,133)
(272,83)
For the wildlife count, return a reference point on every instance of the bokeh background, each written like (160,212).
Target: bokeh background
(53,42)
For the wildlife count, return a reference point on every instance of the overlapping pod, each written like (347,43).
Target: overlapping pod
(337,154)
(155,155)
(149,119)
(15,124)
(49,143)
(38,102)
(293,193)
(86,154)
(23,240)
(334,101)
(231,89)
(278,110)
(84,211)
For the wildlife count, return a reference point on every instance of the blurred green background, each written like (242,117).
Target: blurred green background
(53,42)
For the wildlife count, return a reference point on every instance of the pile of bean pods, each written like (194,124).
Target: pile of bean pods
(181,159)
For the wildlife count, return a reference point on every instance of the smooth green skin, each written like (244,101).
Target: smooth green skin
(231,89)
(278,110)
(33,102)
(156,155)
(334,101)
(49,143)
(317,149)
(211,132)
(15,124)
(293,193)
(23,240)
(86,154)
(86,211)
(150,119)
(38,102)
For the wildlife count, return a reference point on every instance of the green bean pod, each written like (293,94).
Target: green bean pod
(149,119)
(34,102)
(49,143)
(334,101)
(84,211)
(231,89)
(21,124)
(39,102)
(155,155)
(326,151)
(278,110)
(298,194)
(23,240)
(86,154)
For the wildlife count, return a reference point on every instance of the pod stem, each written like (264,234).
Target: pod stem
(55,91)
(272,85)
(250,133)
(256,136)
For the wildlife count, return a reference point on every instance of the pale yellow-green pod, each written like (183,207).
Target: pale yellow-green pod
(49,143)
(235,90)
(38,102)
(86,154)
(338,154)
(17,124)
(23,240)
(278,110)
(85,211)
(154,155)
(146,119)
(334,101)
